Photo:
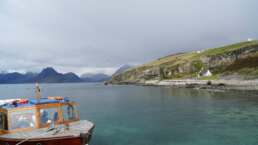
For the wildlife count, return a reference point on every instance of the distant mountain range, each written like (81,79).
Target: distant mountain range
(49,75)
(99,77)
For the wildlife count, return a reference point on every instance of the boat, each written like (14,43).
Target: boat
(52,120)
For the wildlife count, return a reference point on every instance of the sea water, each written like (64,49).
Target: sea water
(138,115)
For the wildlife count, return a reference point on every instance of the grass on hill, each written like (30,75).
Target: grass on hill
(191,56)
(173,61)
(228,48)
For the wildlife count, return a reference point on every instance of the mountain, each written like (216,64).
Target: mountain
(50,75)
(99,77)
(11,77)
(15,77)
(122,69)
(47,75)
(71,77)
(235,61)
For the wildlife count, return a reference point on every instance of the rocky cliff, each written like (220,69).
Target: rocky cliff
(236,61)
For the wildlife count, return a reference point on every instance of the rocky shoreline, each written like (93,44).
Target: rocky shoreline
(201,84)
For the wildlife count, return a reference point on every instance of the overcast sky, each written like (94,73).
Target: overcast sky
(100,35)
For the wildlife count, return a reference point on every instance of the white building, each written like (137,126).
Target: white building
(204,73)
(249,39)
(207,73)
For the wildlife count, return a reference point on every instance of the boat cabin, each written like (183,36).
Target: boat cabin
(28,114)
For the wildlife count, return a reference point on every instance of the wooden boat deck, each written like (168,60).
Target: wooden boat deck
(75,129)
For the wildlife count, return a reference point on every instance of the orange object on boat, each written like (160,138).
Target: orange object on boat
(56,97)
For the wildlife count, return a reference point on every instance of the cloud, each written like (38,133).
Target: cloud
(100,35)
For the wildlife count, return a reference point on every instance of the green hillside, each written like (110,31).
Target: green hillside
(240,60)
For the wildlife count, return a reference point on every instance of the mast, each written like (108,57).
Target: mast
(37,92)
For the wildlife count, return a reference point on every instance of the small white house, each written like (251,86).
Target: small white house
(207,73)
(204,73)
(249,39)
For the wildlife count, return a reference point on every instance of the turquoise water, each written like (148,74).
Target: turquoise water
(136,115)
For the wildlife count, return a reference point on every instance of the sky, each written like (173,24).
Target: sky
(93,36)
